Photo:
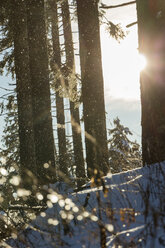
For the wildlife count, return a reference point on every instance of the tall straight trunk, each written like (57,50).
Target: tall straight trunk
(23,87)
(70,64)
(92,87)
(59,100)
(151,26)
(44,141)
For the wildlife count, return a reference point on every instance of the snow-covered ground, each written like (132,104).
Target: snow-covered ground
(131,209)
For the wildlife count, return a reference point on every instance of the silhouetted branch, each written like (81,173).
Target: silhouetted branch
(104,6)
(131,24)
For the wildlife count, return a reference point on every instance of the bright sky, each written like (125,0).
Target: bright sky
(121,67)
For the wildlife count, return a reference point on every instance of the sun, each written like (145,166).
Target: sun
(141,62)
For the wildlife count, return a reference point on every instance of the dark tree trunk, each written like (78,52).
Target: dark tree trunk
(92,87)
(59,100)
(70,64)
(44,141)
(151,26)
(24,100)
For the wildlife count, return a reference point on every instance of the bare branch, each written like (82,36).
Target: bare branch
(131,24)
(104,6)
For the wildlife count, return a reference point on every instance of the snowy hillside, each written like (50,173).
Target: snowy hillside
(129,213)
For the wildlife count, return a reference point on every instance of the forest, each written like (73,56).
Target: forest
(82,123)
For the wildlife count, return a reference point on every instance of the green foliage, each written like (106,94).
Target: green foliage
(10,138)
(114,30)
(6,38)
(68,85)
(124,154)
(9,154)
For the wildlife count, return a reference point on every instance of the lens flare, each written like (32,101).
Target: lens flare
(142,62)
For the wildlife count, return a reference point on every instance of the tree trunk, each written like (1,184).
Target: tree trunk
(23,87)
(59,100)
(92,87)
(151,26)
(44,141)
(70,64)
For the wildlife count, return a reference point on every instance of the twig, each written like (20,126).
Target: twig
(104,6)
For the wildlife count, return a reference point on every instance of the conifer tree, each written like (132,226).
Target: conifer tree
(56,66)
(70,70)
(38,60)
(23,87)
(92,87)
(124,154)
(151,24)
(6,41)
(10,138)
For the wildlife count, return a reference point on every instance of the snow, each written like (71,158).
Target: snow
(131,210)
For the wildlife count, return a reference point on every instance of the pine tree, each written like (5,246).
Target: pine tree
(92,87)
(43,132)
(9,154)
(16,60)
(10,138)
(23,87)
(124,154)
(151,24)
(70,72)
(56,67)
(6,41)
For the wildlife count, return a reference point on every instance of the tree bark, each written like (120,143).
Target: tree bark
(59,100)
(92,87)
(44,141)
(151,26)
(23,87)
(70,64)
